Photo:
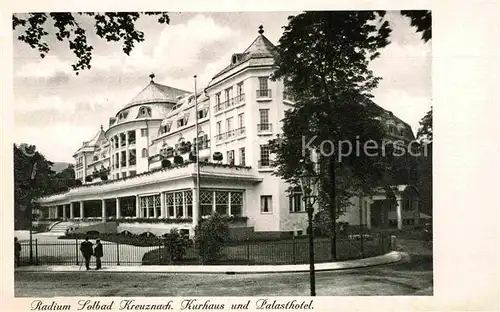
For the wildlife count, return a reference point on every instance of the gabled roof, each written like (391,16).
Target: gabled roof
(261,47)
(154,93)
(92,143)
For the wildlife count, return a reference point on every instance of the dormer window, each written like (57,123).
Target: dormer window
(234,59)
(122,115)
(183,121)
(202,113)
(144,112)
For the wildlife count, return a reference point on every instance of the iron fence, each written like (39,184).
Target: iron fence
(291,251)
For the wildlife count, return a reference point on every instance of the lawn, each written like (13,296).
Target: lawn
(275,252)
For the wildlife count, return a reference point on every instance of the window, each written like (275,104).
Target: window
(206,202)
(123,161)
(131,137)
(266,204)
(229,93)
(132,173)
(239,90)
(222,202)
(202,113)
(144,112)
(229,126)
(117,160)
(264,120)
(241,120)
(263,88)
(123,140)
(230,157)
(217,99)
(218,130)
(131,157)
(144,132)
(296,202)
(179,204)
(144,153)
(407,205)
(263,85)
(183,121)
(150,205)
(116,141)
(242,156)
(264,156)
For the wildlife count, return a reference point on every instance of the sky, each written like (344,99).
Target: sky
(57,110)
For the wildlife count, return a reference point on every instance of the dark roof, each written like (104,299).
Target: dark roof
(261,47)
(155,92)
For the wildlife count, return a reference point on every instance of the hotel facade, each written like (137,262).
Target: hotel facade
(139,175)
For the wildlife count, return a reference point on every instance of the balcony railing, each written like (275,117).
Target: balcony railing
(230,134)
(264,127)
(264,163)
(230,102)
(123,164)
(264,93)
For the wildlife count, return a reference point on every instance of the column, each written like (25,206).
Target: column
(399,213)
(118,216)
(369,213)
(103,209)
(196,207)
(162,205)
(64,211)
(137,207)
(416,212)
(81,209)
(71,213)
(57,212)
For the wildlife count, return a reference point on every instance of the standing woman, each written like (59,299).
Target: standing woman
(98,254)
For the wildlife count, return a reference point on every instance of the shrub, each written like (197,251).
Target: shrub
(178,160)
(166,163)
(217,156)
(210,236)
(176,245)
(104,178)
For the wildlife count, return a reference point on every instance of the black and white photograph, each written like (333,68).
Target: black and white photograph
(167,154)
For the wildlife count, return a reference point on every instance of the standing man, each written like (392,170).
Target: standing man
(17,252)
(98,254)
(86,249)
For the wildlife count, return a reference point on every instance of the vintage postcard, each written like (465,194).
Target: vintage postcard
(222,160)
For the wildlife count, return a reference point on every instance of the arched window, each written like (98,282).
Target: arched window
(144,153)
(144,111)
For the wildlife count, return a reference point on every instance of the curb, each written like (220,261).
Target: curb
(391,257)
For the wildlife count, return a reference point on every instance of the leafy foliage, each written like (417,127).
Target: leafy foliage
(422,20)
(424,133)
(111,26)
(176,245)
(210,236)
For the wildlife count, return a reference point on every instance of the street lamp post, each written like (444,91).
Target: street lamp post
(307,183)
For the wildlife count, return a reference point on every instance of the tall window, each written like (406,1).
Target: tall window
(222,202)
(263,83)
(239,90)
(217,99)
(264,120)
(131,157)
(179,204)
(264,156)
(150,204)
(230,157)
(218,130)
(131,137)
(241,122)
(206,202)
(266,204)
(123,139)
(229,126)
(242,156)
(296,203)
(116,141)
(144,132)
(123,161)
(229,93)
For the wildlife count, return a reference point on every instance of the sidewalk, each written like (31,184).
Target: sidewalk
(391,257)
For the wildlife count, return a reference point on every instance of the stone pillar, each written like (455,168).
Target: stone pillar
(103,209)
(118,215)
(57,211)
(399,213)
(137,207)
(81,210)
(64,211)
(196,207)
(416,212)
(369,213)
(71,212)
(162,205)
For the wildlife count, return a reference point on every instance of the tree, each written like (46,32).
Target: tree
(422,20)
(112,26)
(210,236)
(31,171)
(424,133)
(323,61)
(424,183)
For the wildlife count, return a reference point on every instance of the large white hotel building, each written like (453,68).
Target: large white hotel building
(138,175)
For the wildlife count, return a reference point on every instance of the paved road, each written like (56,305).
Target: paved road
(413,276)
